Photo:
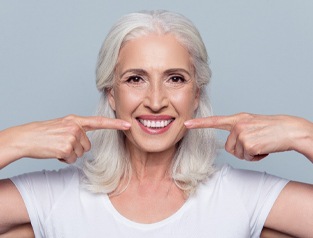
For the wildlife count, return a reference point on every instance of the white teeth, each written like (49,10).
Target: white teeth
(155,124)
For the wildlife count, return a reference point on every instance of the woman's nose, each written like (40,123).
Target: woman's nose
(156,97)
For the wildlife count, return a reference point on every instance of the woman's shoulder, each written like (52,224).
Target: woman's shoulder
(66,172)
(55,181)
(237,179)
(226,171)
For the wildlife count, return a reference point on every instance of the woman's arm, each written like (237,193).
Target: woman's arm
(20,231)
(292,212)
(62,138)
(253,137)
(269,233)
(12,208)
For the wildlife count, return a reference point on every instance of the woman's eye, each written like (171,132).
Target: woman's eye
(134,79)
(177,79)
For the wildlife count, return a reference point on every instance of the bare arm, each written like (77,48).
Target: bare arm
(253,137)
(20,231)
(269,233)
(62,138)
(292,212)
(12,208)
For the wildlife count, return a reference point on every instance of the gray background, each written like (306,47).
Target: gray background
(261,54)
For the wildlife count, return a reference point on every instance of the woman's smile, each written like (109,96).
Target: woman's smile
(154,90)
(152,124)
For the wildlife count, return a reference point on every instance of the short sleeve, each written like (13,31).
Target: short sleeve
(41,190)
(257,191)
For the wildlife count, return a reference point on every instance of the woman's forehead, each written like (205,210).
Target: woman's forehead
(154,51)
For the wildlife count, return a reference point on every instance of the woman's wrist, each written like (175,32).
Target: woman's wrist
(303,139)
(9,149)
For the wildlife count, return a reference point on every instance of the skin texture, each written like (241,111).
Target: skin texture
(21,231)
(145,85)
(253,137)
(62,138)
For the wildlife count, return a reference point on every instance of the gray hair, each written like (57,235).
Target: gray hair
(193,161)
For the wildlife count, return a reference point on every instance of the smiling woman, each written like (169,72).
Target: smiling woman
(156,96)
(158,66)
(150,172)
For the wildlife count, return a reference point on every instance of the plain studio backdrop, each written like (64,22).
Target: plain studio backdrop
(261,55)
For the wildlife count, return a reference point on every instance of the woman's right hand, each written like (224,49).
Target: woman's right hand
(63,138)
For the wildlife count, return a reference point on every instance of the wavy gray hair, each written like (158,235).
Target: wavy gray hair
(193,161)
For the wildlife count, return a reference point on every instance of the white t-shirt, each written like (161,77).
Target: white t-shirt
(232,203)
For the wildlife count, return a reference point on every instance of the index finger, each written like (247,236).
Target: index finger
(217,122)
(92,123)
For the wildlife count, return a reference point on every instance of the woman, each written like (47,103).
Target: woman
(148,174)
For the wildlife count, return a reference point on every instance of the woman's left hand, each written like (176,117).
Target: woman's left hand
(252,137)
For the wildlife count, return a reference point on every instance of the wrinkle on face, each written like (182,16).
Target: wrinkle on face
(154,58)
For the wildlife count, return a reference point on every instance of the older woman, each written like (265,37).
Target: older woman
(147,173)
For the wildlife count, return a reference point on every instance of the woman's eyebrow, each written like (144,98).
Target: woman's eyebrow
(134,71)
(177,70)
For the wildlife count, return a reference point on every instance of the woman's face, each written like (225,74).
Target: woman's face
(154,90)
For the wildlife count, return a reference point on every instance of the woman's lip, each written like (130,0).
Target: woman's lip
(155,117)
(154,120)
(154,130)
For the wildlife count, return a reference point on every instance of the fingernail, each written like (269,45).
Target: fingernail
(188,123)
(126,124)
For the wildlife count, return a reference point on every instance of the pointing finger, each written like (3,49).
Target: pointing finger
(98,122)
(217,122)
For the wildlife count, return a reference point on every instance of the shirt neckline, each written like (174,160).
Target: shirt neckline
(143,226)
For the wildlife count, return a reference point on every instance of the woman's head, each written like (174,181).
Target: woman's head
(194,157)
(154,90)
(139,24)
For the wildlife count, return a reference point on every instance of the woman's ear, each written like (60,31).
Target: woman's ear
(110,94)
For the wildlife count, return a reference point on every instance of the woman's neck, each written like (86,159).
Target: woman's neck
(151,166)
